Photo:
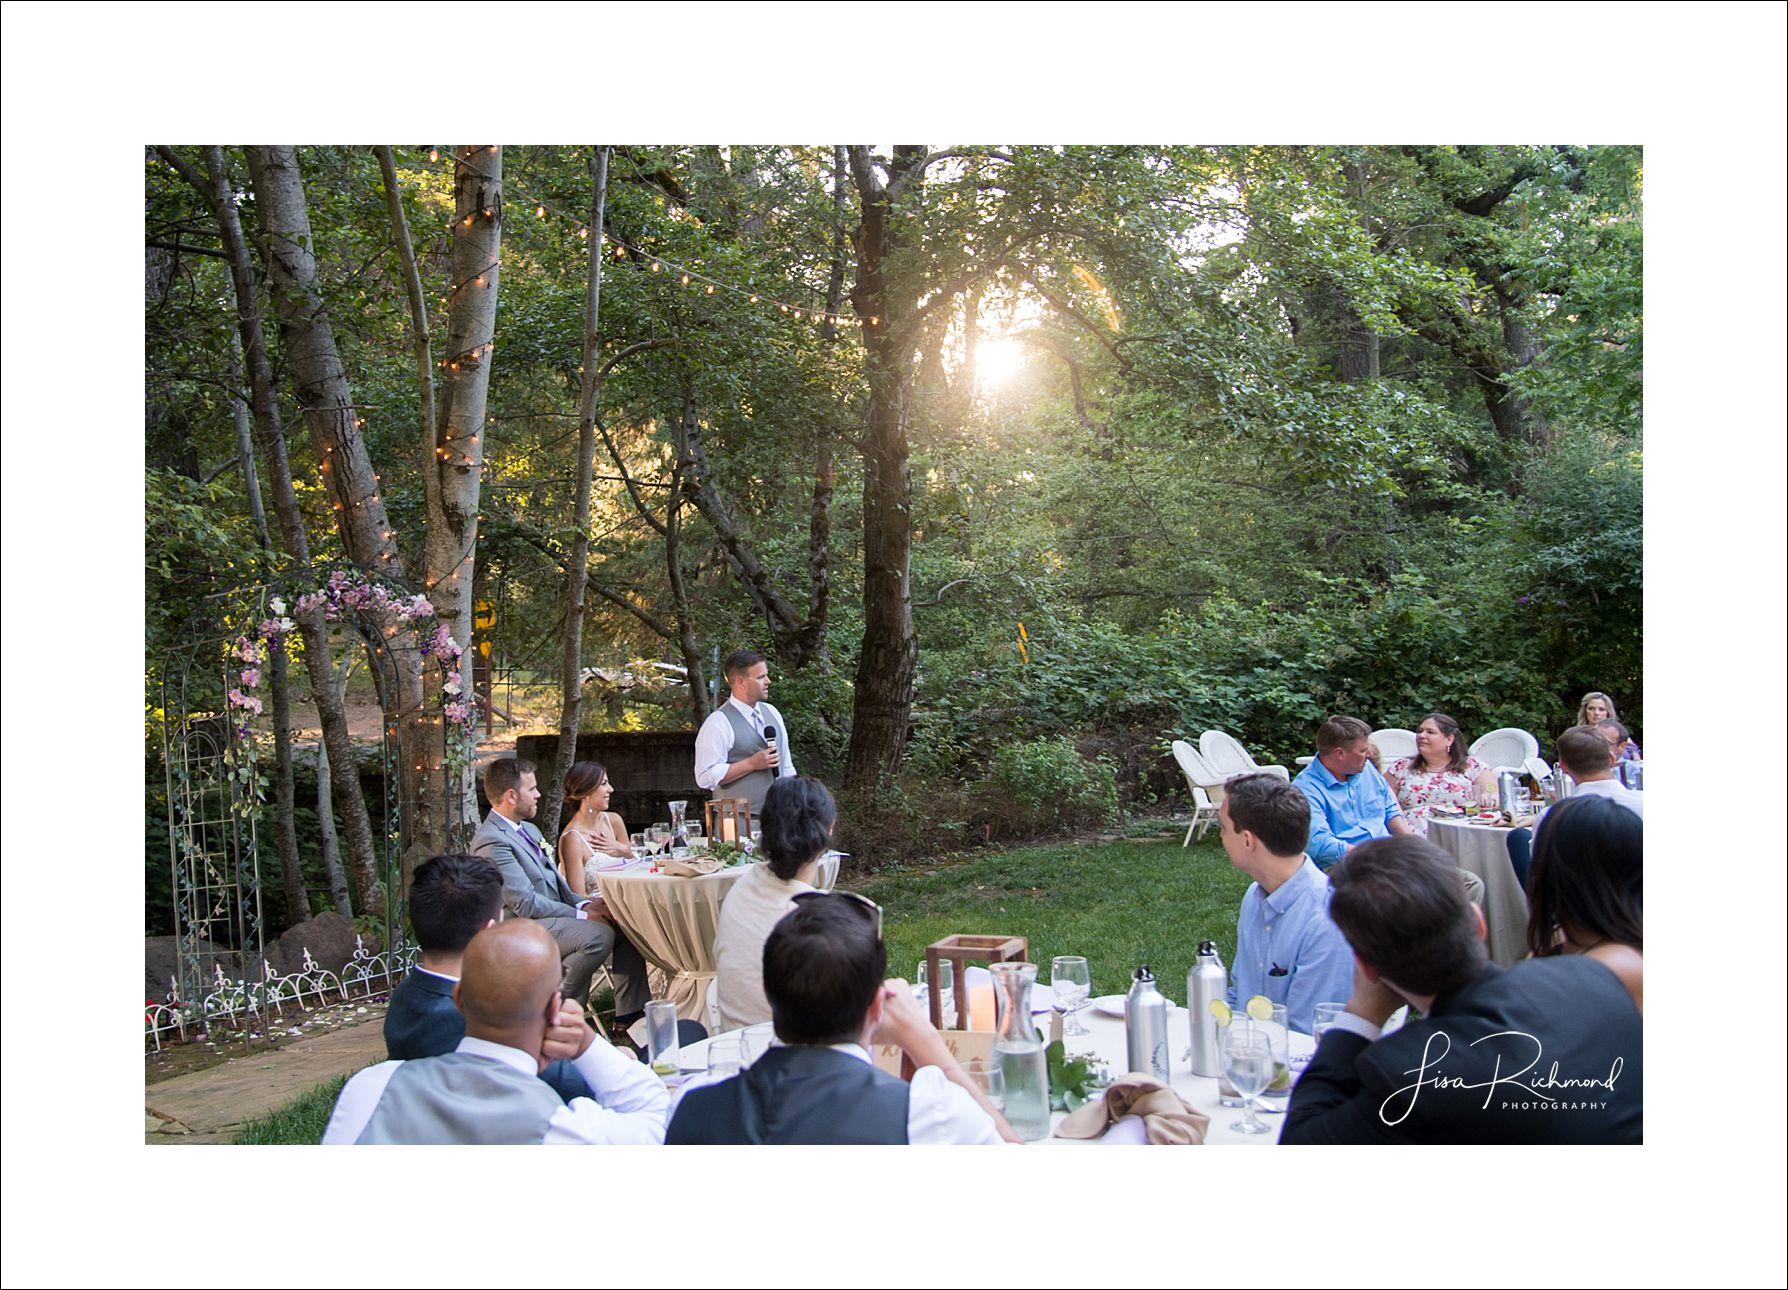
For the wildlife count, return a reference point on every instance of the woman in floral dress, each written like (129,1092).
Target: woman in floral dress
(1441,774)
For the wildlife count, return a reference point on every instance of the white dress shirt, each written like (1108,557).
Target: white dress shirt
(938,1113)
(634,1104)
(715,742)
(1631,798)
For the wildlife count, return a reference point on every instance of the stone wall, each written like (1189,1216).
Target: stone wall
(648,769)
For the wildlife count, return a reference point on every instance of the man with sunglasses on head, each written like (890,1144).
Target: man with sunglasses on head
(824,976)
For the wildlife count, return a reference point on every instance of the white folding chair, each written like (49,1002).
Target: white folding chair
(1394,742)
(1506,749)
(1225,753)
(713,1007)
(1199,779)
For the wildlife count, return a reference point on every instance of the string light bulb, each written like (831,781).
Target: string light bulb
(540,211)
(434,154)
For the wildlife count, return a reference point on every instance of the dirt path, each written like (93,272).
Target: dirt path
(209,1106)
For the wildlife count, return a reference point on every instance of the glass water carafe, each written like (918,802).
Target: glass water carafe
(679,833)
(1018,1050)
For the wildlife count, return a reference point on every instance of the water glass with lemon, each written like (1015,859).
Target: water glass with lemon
(1269,1019)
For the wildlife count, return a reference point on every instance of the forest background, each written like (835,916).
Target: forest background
(1019,461)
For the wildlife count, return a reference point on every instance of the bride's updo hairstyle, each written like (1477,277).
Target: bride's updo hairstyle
(583,779)
(797,823)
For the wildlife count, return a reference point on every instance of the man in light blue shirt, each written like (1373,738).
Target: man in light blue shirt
(1286,947)
(1349,801)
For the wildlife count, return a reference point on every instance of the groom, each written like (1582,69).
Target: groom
(533,888)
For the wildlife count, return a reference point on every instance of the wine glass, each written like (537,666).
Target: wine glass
(639,844)
(1248,1063)
(1324,1018)
(1072,981)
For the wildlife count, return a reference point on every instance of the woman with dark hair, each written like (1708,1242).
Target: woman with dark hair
(593,830)
(1442,773)
(1586,888)
(797,824)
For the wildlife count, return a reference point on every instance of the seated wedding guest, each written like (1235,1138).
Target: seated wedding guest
(533,888)
(1589,759)
(1548,1051)
(1286,946)
(824,968)
(1350,802)
(452,899)
(1586,757)
(1587,893)
(797,824)
(593,832)
(1441,774)
(1620,744)
(487,1089)
(1597,707)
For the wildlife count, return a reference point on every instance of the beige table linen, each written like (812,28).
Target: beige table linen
(1484,850)
(672,921)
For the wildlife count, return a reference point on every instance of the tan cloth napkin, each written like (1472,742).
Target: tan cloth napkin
(1169,1119)
(694,867)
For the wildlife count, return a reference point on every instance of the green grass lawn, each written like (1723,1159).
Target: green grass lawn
(1119,904)
(302,1120)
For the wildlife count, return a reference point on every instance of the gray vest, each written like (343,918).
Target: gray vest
(796,1096)
(461,1098)
(747,741)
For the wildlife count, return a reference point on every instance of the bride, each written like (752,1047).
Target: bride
(593,831)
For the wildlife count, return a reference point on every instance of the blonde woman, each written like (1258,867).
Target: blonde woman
(1597,707)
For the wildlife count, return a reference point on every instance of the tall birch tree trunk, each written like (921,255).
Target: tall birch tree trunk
(456,467)
(330,414)
(313,631)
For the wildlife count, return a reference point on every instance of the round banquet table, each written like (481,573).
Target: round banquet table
(1483,849)
(672,922)
(1106,1040)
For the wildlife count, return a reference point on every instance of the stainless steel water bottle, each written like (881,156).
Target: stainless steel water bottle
(1207,982)
(1145,1026)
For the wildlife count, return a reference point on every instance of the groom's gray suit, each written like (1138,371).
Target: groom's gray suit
(534,888)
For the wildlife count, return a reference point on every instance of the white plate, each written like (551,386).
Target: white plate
(1112,1005)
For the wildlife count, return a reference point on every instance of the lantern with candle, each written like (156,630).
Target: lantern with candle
(727,819)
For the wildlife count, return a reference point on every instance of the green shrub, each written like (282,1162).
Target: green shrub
(1045,784)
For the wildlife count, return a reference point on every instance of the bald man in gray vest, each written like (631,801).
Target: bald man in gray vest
(488,1089)
(743,745)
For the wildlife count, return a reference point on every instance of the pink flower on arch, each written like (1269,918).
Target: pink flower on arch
(251,677)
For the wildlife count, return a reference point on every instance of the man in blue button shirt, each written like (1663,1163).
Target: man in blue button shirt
(1349,801)
(1286,947)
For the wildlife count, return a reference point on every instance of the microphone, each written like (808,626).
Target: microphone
(770,738)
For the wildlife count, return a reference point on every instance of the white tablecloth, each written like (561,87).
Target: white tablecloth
(672,921)
(1106,1040)
(1484,850)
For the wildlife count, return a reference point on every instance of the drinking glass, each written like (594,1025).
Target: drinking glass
(990,1080)
(694,833)
(661,1036)
(1325,1017)
(1248,1064)
(754,1042)
(1238,1020)
(639,843)
(946,988)
(723,1055)
(1072,981)
(1277,1029)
